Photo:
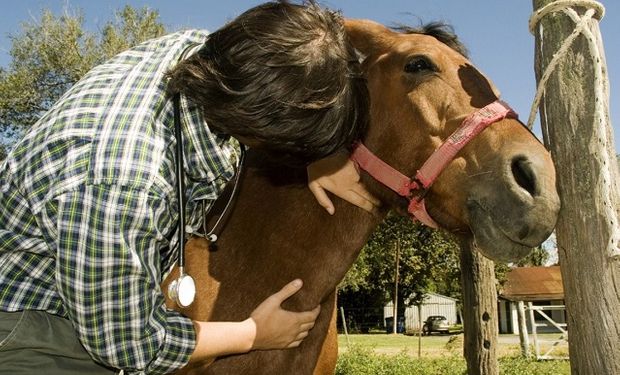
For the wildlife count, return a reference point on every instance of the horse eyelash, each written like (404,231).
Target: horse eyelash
(413,59)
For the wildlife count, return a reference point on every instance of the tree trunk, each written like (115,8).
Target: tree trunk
(576,127)
(479,312)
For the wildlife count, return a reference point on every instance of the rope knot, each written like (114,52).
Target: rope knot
(564,5)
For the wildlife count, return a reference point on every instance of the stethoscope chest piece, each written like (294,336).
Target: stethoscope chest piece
(182,290)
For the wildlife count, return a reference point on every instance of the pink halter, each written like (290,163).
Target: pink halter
(415,189)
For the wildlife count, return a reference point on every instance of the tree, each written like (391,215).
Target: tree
(51,54)
(428,262)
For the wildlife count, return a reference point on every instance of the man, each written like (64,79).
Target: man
(88,206)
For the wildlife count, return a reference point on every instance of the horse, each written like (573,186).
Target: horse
(499,189)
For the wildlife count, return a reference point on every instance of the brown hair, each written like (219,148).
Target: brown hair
(282,75)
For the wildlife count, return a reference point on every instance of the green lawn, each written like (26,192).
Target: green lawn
(435,345)
(383,354)
(393,344)
(390,340)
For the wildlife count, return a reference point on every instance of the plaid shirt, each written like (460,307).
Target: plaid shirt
(88,208)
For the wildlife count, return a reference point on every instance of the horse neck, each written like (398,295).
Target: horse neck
(278,232)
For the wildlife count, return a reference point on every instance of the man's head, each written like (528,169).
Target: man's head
(281,77)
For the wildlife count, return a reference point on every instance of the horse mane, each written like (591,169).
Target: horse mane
(440,31)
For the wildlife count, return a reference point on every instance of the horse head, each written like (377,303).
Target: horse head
(499,189)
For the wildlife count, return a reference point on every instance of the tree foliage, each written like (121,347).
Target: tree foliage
(130,27)
(52,53)
(428,263)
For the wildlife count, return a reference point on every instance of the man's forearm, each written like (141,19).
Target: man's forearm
(214,339)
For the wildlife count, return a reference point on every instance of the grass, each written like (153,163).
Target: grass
(378,354)
(436,344)
(360,361)
(394,344)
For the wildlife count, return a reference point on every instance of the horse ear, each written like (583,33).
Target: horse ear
(367,36)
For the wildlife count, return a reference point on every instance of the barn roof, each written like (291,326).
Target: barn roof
(440,296)
(431,298)
(533,284)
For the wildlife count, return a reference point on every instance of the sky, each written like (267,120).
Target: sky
(495,31)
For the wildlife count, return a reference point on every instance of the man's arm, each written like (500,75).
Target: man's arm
(108,273)
(269,327)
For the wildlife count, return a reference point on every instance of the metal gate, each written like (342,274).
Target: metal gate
(555,344)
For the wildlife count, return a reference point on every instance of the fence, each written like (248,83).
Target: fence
(561,341)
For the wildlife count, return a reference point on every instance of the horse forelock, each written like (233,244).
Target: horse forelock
(440,31)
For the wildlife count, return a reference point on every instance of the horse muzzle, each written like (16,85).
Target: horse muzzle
(516,209)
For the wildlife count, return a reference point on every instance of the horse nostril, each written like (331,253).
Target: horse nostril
(524,175)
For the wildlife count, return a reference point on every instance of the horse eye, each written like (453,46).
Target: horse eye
(419,64)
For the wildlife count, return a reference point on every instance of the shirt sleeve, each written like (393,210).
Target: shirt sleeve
(108,275)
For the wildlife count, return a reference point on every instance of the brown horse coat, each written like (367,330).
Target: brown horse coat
(277,233)
(500,190)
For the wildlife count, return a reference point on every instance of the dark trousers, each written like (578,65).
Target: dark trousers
(35,342)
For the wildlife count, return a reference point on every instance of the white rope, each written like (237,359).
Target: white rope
(581,23)
(601,90)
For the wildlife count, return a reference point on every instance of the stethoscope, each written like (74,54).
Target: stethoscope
(183,289)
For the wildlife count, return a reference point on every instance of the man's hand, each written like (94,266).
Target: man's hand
(277,328)
(268,327)
(339,175)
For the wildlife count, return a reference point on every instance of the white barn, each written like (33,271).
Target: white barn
(434,304)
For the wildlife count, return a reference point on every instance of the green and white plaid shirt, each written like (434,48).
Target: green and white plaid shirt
(88,208)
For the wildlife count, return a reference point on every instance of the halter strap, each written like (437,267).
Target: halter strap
(415,189)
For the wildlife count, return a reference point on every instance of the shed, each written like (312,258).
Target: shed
(434,304)
(540,285)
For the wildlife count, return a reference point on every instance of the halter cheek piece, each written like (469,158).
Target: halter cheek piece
(416,189)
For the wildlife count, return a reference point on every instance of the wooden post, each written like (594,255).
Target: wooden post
(575,121)
(395,307)
(420,330)
(480,323)
(534,328)
(523,336)
(344,325)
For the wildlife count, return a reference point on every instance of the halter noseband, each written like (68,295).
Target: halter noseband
(415,189)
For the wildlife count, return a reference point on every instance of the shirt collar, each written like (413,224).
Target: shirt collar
(207,155)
